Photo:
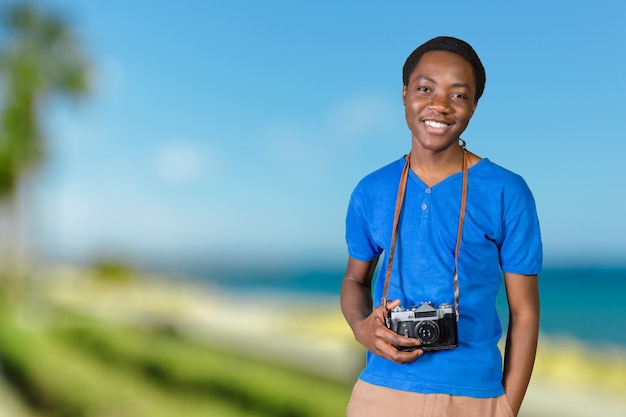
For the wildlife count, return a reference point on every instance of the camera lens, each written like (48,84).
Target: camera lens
(427,331)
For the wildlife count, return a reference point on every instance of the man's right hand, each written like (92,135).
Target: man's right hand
(374,335)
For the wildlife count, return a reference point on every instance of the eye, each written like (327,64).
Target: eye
(423,89)
(460,96)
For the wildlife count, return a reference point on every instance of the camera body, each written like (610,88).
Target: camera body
(436,328)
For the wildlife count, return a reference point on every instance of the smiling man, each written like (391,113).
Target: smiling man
(448,224)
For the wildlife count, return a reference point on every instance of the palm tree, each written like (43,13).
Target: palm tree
(40,58)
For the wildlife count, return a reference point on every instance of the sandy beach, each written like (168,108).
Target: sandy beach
(570,380)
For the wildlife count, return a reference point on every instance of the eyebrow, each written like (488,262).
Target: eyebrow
(455,85)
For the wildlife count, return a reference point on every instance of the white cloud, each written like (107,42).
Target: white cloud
(299,153)
(311,151)
(180,162)
(361,114)
(108,76)
(122,202)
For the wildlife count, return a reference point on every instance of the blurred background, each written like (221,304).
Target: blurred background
(174,178)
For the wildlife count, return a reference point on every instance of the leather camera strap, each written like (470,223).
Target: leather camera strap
(396,220)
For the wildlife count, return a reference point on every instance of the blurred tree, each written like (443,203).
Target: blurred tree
(40,58)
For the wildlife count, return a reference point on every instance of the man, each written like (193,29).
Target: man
(442,82)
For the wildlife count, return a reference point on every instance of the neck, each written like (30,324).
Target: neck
(433,167)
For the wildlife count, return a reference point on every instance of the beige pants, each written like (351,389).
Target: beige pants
(373,401)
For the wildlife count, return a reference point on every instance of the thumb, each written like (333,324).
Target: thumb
(384,310)
(392,304)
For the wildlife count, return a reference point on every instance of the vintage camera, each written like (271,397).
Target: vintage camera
(436,328)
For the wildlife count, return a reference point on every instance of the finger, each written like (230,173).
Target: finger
(392,338)
(398,340)
(403,356)
(407,357)
(392,304)
(383,311)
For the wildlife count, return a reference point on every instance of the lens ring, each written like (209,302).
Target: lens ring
(427,331)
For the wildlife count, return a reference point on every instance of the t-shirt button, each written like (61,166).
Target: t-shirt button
(424,206)
(428,190)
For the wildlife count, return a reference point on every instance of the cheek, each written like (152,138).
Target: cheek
(467,118)
(463,115)
(411,115)
(411,108)
(469,112)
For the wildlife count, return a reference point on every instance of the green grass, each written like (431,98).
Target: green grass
(76,366)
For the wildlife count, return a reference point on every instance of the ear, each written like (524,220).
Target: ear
(404,95)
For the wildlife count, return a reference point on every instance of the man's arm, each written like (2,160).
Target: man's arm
(521,342)
(367,323)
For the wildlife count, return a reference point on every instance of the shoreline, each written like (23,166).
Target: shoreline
(570,378)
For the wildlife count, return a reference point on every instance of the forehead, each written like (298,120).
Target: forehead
(438,64)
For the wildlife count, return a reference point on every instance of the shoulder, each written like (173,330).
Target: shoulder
(381,179)
(378,189)
(499,188)
(495,175)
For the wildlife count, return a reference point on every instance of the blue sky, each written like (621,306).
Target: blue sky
(238,129)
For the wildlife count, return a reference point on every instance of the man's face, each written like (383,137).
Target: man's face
(439,100)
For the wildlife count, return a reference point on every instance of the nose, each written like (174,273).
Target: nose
(439,103)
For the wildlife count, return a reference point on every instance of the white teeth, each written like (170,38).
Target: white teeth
(435,124)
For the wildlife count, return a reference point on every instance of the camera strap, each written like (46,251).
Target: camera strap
(396,220)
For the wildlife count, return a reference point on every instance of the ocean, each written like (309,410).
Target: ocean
(587,304)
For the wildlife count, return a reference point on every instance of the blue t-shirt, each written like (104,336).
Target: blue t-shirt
(500,233)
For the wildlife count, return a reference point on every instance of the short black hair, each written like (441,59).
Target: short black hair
(448,44)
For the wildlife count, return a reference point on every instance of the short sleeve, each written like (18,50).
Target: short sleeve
(521,250)
(361,243)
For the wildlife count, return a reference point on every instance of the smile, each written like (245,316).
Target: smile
(435,124)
